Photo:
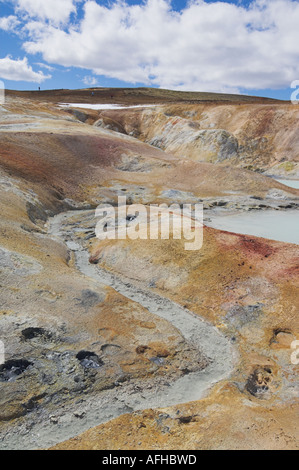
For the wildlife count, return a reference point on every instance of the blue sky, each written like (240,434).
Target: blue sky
(225,46)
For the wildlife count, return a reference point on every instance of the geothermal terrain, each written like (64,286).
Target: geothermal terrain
(141,344)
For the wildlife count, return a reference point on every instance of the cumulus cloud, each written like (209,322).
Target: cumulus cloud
(9,23)
(20,70)
(57,11)
(215,46)
(90,81)
(45,66)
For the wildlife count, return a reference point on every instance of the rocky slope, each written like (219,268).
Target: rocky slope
(259,137)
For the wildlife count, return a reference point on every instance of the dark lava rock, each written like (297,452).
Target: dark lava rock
(31,333)
(89,360)
(10,370)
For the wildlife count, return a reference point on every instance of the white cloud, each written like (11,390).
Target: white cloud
(9,23)
(45,66)
(90,81)
(20,70)
(57,11)
(208,46)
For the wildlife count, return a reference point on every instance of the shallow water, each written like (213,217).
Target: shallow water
(290,183)
(274,225)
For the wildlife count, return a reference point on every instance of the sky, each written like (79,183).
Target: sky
(248,47)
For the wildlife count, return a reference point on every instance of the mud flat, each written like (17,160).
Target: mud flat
(215,347)
(269,389)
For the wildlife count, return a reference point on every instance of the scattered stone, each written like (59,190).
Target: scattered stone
(141,349)
(185,419)
(89,360)
(259,381)
(159,361)
(53,419)
(32,333)
(12,369)
(282,339)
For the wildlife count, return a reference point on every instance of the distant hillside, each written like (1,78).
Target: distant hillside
(134,96)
